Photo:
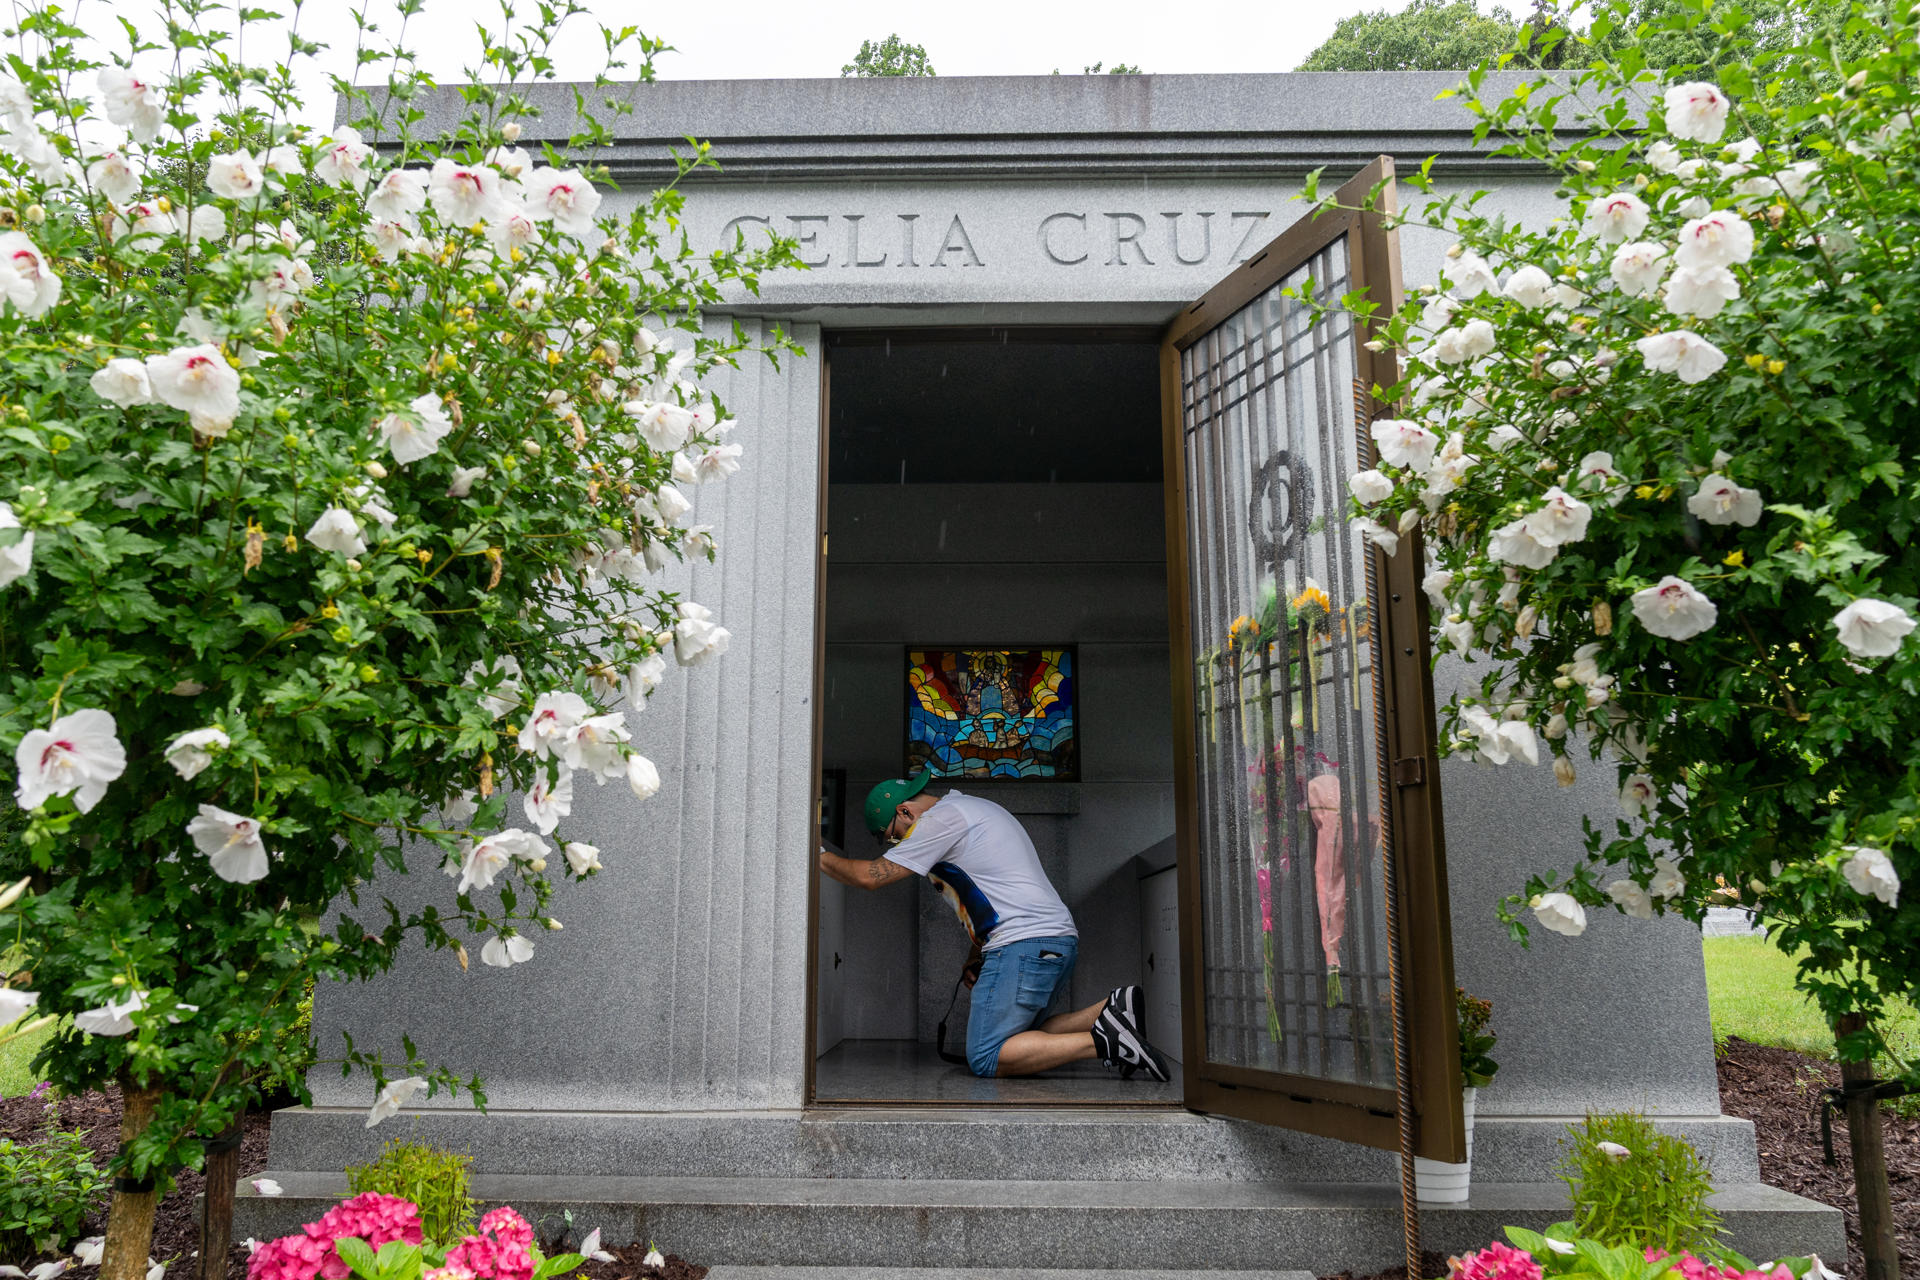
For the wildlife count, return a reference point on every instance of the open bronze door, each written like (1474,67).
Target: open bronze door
(1313,899)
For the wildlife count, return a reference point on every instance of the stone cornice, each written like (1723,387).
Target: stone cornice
(1022,126)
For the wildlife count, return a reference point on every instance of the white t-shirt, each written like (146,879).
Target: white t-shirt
(981,861)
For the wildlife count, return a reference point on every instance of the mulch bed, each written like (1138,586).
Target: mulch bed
(1777,1089)
(176,1232)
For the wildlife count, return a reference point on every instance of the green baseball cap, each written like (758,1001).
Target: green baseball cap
(886,797)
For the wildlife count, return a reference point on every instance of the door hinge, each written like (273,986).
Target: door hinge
(1410,772)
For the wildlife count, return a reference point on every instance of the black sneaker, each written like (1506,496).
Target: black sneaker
(1130,1003)
(1126,1050)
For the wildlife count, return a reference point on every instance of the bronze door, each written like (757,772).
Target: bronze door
(1312,877)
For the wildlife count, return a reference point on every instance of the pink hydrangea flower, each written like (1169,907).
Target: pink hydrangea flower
(372,1217)
(1495,1262)
(502,1251)
(1692,1268)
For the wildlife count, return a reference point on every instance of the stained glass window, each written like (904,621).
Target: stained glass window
(993,713)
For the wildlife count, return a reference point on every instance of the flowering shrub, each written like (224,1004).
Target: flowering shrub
(1656,453)
(373,1218)
(333,474)
(1561,1252)
(378,1237)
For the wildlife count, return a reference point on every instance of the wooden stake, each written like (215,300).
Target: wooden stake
(216,1206)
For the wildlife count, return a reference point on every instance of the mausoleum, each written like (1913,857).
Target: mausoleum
(1054,504)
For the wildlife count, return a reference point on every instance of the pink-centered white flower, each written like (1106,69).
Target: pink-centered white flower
(554,718)
(1370,487)
(398,196)
(1559,912)
(1515,544)
(114,1018)
(463,194)
(341,161)
(192,752)
(1872,628)
(716,463)
(1683,353)
(416,433)
(1632,898)
(112,175)
(1638,267)
(137,103)
(1637,796)
(206,222)
(1595,474)
(504,953)
(27,279)
(1497,741)
(1674,609)
(16,558)
(662,425)
(1696,111)
(564,196)
(1404,443)
(1530,287)
(642,777)
(1464,342)
(597,745)
(196,379)
(1870,872)
(696,637)
(237,175)
(14,1004)
(395,1096)
(1701,292)
(485,859)
(1376,533)
(503,680)
(77,755)
(583,858)
(1561,518)
(231,843)
(1664,156)
(122,381)
(1720,501)
(336,530)
(1620,216)
(1471,276)
(1721,238)
(547,802)
(1667,881)
(16,104)
(512,229)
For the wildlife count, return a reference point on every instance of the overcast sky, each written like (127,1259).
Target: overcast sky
(731,39)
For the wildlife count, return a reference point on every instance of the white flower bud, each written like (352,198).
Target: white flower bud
(353,565)
(531,448)
(511,131)
(36,214)
(377,471)
(537,865)
(1585,166)
(1455,250)
(1563,771)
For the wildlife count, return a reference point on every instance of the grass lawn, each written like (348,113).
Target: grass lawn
(15,1079)
(1750,990)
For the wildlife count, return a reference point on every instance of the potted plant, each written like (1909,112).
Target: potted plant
(1436,1181)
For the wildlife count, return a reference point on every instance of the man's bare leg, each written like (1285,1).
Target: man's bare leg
(1034,1051)
(1081,1020)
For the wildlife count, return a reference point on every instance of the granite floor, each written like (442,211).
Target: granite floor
(908,1071)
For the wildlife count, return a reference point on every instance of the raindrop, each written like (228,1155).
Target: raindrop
(903,471)
(942,546)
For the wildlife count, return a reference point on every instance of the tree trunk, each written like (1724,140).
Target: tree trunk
(130,1220)
(216,1205)
(1871,1190)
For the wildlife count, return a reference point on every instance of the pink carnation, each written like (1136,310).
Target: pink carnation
(1495,1262)
(502,1251)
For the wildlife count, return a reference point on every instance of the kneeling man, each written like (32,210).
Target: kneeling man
(979,858)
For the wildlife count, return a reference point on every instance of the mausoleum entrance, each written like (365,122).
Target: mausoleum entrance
(996,609)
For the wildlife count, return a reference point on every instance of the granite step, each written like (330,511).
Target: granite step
(1094,1145)
(1318,1227)
(984,1273)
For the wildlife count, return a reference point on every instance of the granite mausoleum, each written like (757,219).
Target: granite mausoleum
(731,1055)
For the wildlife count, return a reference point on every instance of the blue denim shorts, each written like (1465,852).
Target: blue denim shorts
(1017,983)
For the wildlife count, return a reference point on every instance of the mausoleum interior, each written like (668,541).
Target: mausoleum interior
(996,489)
